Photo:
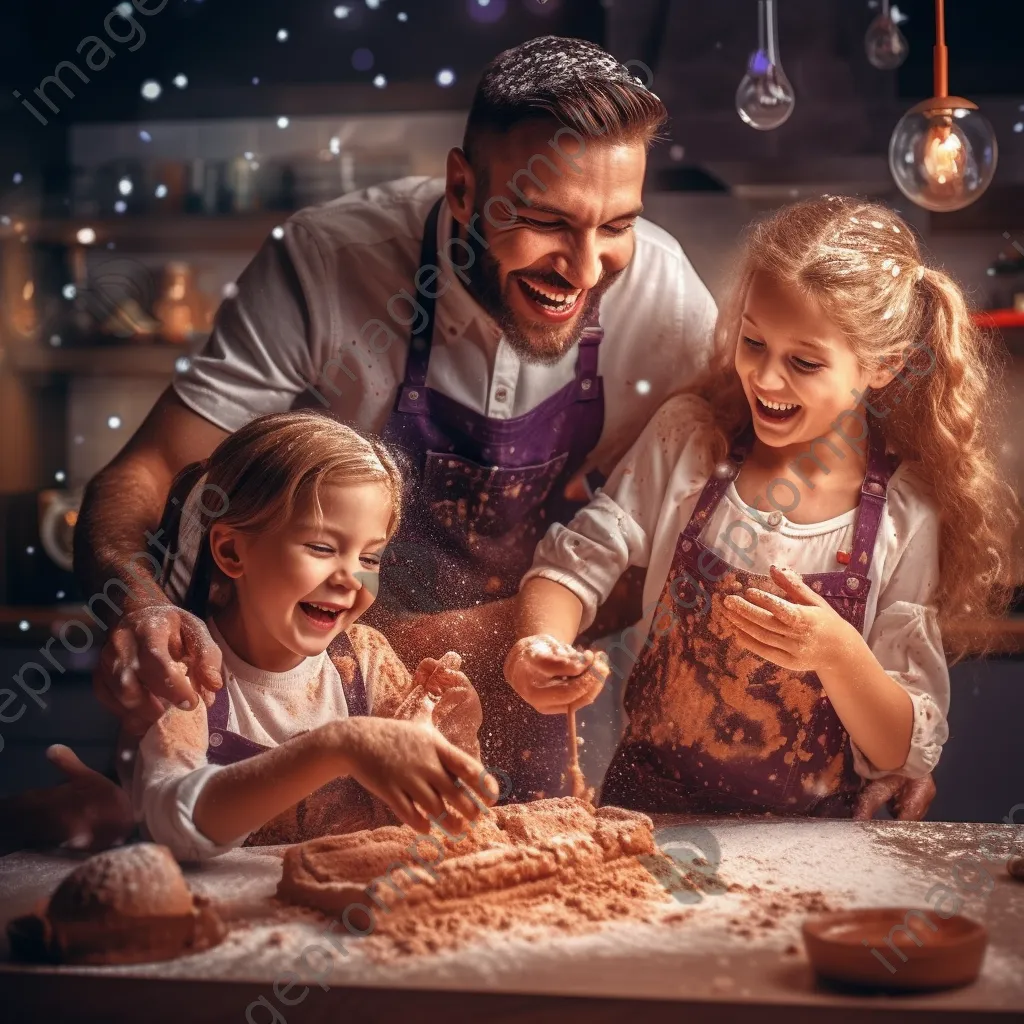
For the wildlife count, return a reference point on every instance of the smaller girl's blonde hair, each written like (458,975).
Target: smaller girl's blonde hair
(270,469)
(275,466)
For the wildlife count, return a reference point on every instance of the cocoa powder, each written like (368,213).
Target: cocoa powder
(554,861)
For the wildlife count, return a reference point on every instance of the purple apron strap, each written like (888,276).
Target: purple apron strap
(226,747)
(217,712)
(872,504)
(355,691)
(588,383)
(419,348)
(717,484)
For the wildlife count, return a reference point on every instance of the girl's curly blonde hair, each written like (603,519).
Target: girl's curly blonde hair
(861,263)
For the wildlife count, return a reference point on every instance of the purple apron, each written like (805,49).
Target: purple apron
(484,492)
(714,728)
(228,747)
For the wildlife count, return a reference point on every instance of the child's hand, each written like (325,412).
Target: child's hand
(438,674)
(552,676)
(801,634)
(442,694)
(413,769)
(432,680)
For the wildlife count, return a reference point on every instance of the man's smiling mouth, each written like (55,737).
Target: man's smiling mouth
(551,299)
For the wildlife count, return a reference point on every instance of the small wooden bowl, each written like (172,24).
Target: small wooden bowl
(895,948)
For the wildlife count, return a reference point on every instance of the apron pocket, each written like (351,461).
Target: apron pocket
(466,498)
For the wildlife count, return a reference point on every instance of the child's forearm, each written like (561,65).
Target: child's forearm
(547,607)
(246,795)
(874,709)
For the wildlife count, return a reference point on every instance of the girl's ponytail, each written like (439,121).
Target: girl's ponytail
(949,420)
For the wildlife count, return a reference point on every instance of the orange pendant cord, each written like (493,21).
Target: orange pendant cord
(941,58)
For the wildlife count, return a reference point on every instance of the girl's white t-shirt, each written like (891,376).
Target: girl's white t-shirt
(647,502)
(171,769)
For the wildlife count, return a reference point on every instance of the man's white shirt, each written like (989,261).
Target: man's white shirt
(320,320)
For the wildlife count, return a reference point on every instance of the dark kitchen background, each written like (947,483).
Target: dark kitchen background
(128,215)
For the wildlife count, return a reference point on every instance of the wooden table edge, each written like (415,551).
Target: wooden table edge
(67,995)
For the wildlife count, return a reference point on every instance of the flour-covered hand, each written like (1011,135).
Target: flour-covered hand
(802,632)
(156,655)
(412,768)
(439,674)
(553,676)
(443,695)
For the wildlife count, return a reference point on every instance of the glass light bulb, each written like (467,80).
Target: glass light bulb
(943,158)
(765,98)
(885,44)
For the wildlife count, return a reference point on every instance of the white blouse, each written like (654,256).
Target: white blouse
(637,517)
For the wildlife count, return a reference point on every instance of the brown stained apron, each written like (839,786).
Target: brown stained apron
(714,728)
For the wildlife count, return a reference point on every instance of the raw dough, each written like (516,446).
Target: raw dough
(127,905)
(541,845)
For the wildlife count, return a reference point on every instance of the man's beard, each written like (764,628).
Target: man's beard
(539,344)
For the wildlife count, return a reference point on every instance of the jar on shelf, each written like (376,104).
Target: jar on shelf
(182,309)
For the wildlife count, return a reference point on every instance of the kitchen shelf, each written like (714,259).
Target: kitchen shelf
(165,233)
(143,359)
(43,622)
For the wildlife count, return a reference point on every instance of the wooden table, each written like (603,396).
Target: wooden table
(723,964)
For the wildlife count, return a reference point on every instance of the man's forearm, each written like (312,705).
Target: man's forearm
(113,564)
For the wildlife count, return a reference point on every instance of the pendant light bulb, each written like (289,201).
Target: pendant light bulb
(765,99)
(943,152)
(885,44)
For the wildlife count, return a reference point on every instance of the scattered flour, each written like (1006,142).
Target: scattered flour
(689,943)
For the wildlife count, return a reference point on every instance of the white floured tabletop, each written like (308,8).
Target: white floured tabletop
(730,952)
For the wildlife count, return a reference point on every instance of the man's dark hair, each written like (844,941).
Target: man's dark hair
(569,80)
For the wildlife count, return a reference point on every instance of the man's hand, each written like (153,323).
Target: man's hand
(552,676)
(907,799)
(156,655)
(88,812)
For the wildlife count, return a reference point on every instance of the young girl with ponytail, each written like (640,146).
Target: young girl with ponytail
(811,516)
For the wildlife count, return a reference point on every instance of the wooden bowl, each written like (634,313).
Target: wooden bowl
(895,948)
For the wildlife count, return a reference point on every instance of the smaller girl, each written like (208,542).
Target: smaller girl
(809,518)
(291,546)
